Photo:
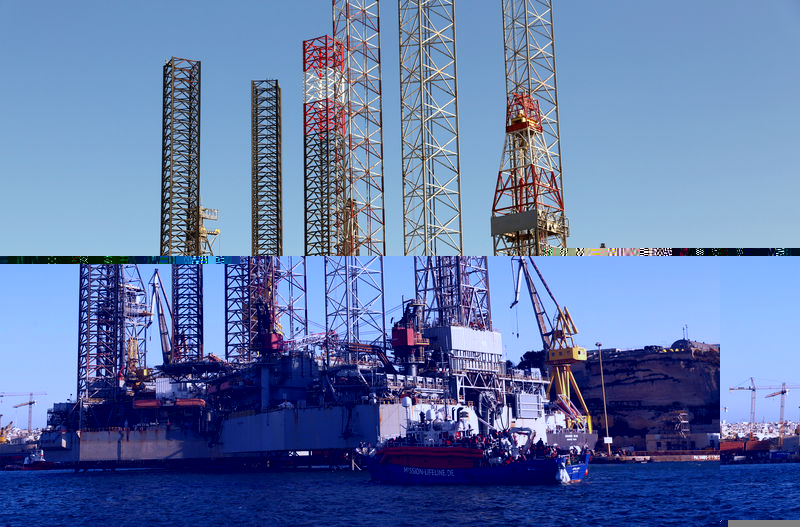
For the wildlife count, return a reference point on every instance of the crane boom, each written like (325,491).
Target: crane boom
(536,301)
(558,346)
(166,346)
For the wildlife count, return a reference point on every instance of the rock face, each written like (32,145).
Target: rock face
(646,388)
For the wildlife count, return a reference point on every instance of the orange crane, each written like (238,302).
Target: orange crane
(29,404)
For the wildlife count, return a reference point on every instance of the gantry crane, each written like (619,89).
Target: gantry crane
(783,390)
(558,344)
(29,404)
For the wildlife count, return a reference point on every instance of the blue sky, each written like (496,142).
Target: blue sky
(759,316)
(679,119)
(622,302)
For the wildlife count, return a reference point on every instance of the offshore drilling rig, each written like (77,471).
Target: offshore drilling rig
(278,394)
(343,211)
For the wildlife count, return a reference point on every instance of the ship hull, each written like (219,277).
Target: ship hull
(530,472)
(566,439)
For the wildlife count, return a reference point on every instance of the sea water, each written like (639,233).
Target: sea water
(660,494)
(760,492)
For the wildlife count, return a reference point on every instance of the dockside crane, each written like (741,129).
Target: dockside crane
(29,404)
(558,344)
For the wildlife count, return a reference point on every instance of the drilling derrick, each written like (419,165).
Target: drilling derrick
(356,24)
(354,308)
(187,320)
(136,317)
(112,329)
(429,128)
(267,175)
(265,306)
(180,161)
(329,213)
(455,290)
(528,215)
(98,333)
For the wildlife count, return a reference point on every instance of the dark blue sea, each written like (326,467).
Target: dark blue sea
(658,494)
(760,492)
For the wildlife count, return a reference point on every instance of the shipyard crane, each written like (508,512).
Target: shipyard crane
(557,341)
(752,389)
(29,404)
(783,390)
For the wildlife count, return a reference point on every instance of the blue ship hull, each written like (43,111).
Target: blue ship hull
(529,472)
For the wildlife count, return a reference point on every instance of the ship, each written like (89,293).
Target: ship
(440,451)
(36,461)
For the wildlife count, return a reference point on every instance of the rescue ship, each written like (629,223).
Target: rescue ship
(441,451)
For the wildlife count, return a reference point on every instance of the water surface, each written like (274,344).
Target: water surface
(645,494)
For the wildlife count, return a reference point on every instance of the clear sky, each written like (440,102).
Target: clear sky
(679,119)
(759,316)
(622,302)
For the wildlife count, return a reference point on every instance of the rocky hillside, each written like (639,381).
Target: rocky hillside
(645,388)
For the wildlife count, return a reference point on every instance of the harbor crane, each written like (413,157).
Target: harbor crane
(752,389)
(558,344)
(783,390)
(29,404)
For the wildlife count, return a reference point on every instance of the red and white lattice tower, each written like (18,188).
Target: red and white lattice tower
(528,215)
(356,24)
(330,219)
